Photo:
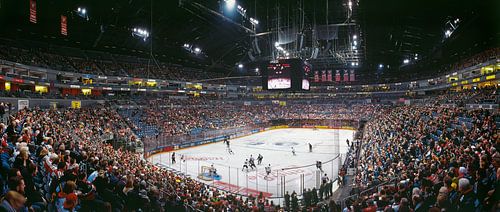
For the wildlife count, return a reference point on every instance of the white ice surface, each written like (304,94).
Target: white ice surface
(275,146)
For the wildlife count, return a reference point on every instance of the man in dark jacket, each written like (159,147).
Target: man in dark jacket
(468,201)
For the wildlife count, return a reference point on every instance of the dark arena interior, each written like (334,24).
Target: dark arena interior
(249,105)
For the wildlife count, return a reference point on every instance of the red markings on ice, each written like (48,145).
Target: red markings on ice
(202,158)
(240,190)
(273,174)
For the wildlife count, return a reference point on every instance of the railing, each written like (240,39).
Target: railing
(343,201)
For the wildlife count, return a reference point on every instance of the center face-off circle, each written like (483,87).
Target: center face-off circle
(289,144)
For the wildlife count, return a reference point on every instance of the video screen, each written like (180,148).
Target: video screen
(279,76)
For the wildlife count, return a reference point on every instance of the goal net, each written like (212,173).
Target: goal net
(208,173)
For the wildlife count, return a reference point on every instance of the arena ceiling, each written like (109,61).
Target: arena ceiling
(389,30)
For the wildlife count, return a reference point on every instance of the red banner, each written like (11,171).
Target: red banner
(329,76)
(33,11)
(323,76)
(337,76)
(64,25)
(346,75)
(316,76)
(352,76)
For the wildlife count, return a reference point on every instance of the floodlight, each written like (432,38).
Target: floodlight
(254,21)
(240,65)
(230,4)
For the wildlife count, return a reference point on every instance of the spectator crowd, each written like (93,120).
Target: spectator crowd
(418,158)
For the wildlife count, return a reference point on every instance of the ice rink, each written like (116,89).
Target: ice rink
(288,172)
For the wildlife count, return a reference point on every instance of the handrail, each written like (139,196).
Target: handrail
(364,191)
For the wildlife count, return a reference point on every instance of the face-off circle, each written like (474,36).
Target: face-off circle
(286,144)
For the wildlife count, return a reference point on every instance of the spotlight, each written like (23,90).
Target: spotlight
(230,4)
(447,33)
(240,65)
(82,12)
(197,50)
(254,21)
(142,33)
(406,61)
(354,37)
(380,65)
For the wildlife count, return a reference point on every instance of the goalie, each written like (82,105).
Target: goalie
(212,171)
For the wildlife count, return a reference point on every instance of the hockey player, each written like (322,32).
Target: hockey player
(268,170)
(318,165)
(213,171)
(259,159)
(173,157)
(310,147)
(252,163)
(245,165)
(293,151)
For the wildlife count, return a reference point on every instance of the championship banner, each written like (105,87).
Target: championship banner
(352,76)
(337,76)
(64,25)
(346,75)
(316,76)
(323,76)
(329,76)
(33,11)
(76,104)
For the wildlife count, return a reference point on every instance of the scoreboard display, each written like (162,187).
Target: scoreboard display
(288,74)
(279,76)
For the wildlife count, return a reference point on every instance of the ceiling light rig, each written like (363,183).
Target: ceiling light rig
(142,33)
(450,26)
(82,12)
